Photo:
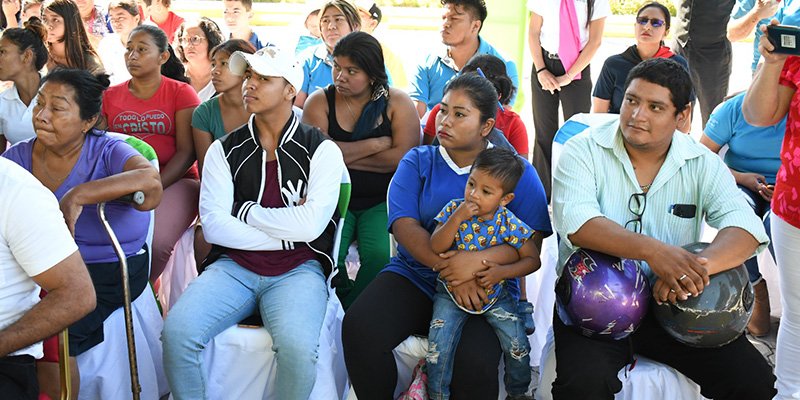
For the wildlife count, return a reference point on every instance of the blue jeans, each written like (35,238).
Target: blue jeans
(445,333)
(762,208)
(292,306)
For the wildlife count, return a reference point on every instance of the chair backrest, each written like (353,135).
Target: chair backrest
(341,207)
(139,145)
(573,126)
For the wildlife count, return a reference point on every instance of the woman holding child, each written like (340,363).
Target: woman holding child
(398,303)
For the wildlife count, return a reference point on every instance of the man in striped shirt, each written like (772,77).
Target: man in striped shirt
(637,188)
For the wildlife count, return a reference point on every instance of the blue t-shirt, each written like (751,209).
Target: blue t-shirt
(317,67)
(304,42)
(611,82)
(425,181)
(433,73)
(256,42)
(750,148)
(789,13)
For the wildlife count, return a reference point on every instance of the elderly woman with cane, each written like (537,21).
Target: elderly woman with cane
(84,166)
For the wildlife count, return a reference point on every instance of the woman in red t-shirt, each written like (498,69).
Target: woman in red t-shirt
(507,121)
(773,94)
(156,106)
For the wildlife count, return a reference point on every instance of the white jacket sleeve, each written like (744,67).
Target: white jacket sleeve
(216,202)
(306,222)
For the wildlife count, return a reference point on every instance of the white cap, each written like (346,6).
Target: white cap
(269,61)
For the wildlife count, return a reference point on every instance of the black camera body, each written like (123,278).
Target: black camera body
(785,38)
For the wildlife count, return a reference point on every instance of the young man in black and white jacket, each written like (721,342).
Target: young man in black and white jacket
(268,204)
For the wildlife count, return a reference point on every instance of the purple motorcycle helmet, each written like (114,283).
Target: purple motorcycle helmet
(717,316)
(602,296)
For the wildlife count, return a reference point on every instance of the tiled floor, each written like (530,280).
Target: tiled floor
(766,344)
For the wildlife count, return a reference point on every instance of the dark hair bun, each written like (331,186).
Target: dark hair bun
(103,80)
(35,25)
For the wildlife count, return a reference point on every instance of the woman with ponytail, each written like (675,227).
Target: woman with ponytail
(22,54)
(67,39)
(374,125)
(156,106)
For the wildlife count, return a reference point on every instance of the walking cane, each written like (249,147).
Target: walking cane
(138,198)
(64,375)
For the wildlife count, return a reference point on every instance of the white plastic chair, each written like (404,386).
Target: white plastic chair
(240,363)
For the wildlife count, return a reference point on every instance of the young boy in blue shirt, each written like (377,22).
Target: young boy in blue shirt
(478,221)
(238,14)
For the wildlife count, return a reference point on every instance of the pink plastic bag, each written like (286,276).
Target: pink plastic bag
(418,389)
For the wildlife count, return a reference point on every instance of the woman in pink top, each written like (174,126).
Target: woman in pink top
(156,106)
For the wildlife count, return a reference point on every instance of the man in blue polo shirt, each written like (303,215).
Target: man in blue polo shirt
(462,21)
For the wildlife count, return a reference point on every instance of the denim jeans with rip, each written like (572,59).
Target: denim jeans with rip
(445,333)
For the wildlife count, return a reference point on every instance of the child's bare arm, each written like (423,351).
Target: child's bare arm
(445,233)
(442,236)
(528,262)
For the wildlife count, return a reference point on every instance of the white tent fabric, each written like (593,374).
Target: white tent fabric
(240,363)
(179,271)
(104,368)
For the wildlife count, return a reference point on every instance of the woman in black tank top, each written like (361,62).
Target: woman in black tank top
(374,125)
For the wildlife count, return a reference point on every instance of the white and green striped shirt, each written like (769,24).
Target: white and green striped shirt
(594,177)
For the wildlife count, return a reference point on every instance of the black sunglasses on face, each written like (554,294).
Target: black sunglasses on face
(636,204)
(654,22)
